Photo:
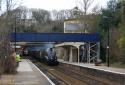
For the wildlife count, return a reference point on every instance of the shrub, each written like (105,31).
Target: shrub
(10,65)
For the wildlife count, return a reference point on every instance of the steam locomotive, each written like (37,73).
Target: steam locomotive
(44,53)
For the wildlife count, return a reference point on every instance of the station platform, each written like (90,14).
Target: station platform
(102,67)
(103,74)
(27,74)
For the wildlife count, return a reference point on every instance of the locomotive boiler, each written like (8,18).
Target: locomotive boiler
(44,53)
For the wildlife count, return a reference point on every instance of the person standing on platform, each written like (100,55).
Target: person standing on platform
(18,59)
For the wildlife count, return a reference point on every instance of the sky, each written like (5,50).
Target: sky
(57,4)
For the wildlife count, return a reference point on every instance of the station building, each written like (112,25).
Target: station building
(86,52)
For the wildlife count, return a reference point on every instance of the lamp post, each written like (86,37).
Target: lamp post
(107,58)
(15,33)
(108,48)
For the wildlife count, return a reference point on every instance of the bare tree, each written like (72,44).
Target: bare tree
(0,4)
(5,29)
(58,19)
(84,5)
(40,15)
(59,15)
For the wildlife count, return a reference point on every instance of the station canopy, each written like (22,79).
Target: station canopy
(55,37)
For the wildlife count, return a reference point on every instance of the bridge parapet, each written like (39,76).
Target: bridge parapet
(55,37)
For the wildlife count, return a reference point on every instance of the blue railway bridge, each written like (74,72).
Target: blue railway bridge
(90,41)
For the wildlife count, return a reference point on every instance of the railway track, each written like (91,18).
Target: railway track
(46,70)
(58,75)
(63,76)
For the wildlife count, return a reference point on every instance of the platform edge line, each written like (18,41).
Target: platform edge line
(42,73)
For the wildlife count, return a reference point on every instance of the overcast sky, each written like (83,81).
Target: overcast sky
(57,4)
(53,4)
